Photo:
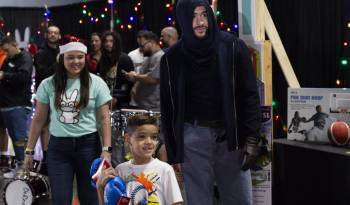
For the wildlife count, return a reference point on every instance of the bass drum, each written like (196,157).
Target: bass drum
(26,189)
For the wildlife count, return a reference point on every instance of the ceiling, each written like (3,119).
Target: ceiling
(39,3)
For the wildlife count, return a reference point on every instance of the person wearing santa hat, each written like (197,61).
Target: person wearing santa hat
(77,102)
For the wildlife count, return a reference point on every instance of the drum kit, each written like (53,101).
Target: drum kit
(26,187)
(119,120)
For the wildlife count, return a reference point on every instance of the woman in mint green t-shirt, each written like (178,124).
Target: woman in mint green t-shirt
(77,103)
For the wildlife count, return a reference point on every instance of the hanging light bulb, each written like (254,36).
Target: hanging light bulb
(337,82)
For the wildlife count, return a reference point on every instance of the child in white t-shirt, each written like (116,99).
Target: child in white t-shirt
(148,180)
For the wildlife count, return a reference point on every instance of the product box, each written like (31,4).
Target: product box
(312,110)
(262,172)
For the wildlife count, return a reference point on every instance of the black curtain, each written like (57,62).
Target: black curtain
(311,33)
(152,16)
(20,18)
(344,71)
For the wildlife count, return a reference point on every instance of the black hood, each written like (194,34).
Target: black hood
(200,51)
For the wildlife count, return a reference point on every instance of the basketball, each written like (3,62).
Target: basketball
(339,133)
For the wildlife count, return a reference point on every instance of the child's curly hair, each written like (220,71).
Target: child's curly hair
(139,120)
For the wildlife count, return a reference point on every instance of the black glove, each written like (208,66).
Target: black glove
(251,152)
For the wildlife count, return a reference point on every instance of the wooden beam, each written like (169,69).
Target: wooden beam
(259,21)
(267,69)
(278,48)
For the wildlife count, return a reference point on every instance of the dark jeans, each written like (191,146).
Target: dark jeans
(69,156)
(16,122)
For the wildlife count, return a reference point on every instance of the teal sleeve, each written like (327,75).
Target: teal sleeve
(103,93)
(42,94)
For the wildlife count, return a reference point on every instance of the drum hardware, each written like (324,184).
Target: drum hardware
(7,163)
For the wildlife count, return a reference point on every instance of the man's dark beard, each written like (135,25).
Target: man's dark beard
(165,44)
(147,53)
(53,42)
(206,27)
(95,49)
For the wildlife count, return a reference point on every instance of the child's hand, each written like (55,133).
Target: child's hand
(105,176)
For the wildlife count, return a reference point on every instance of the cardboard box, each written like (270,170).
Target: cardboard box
(312,110)
(262,172)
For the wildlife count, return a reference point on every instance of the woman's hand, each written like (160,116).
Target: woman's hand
(28,162)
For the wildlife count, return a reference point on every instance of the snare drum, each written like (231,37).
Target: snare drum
(25,189)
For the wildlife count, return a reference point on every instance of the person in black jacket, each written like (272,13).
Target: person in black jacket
(210,109)
(3,133)
(44,63)
(112,65)
(45,58)
(15,92)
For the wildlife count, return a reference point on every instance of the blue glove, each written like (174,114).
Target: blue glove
(94,167)
(115,190)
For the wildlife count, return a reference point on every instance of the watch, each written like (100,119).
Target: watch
(107,149)
(29,152)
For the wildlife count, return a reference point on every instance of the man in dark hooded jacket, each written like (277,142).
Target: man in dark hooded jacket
(210,108)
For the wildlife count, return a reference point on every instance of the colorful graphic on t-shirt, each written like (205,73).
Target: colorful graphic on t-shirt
(70,114)
(142,189)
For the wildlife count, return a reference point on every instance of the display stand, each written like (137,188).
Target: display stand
(309,173)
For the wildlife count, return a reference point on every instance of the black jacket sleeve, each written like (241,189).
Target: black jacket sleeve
(248,101)
(166,109)
(125,63)
(23,72)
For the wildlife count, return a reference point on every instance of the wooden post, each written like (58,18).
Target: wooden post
(259,21)
(279,50)
(267,69)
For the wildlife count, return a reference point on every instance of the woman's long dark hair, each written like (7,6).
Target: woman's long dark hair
(109,59)
(60,83)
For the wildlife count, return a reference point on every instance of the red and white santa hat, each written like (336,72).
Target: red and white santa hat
(73,46)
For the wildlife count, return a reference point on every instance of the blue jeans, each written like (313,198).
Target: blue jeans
(16,122)
(69,156)
(208,161)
